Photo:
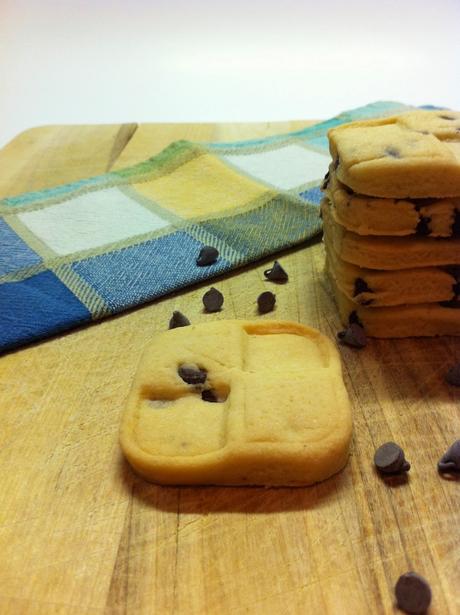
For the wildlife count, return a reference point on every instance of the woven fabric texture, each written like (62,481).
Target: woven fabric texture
(82,251)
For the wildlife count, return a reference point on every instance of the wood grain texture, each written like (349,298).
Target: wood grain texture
(80,533)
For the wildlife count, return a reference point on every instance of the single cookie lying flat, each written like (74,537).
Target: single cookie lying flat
(366,215)
(238,403)
(388,252)
(416,154)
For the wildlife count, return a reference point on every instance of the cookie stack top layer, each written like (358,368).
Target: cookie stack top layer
(414,155)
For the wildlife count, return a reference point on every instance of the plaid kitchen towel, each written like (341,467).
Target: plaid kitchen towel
(85,250)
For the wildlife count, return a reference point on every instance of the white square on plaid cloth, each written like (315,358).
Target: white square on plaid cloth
(90,220)
(285,167)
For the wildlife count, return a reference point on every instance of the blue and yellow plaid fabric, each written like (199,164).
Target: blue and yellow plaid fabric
(85,250)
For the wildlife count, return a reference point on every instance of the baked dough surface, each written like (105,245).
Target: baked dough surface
(376,288)
(283,415)
(410,320)
(366,215)
(388,253)
(412,155)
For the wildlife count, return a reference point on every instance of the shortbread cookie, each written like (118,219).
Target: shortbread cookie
(238,403)
(366,215)
(416,154)
(376,288)
(389,253)
(416,320)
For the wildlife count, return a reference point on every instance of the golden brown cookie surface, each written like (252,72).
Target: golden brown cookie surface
(238,402)
(377,288)
(366,215)
(416,154)
(389,253)
(411,320)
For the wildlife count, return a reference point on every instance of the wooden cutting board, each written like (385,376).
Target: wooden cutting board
(80,533)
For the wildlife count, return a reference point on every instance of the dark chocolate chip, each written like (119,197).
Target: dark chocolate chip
(361,287)
(393,152)
(209,395)
(353,335)
(455,229)
(207,256)
(450,461)
(178,320)
(413,593)
(389,459)
(423,226)
(454,271)
(453,304)
(447,117)
(354,318)
(192,374)
(325,183)
(453,375)
(213,300)
(423,202)
(276,273)
(266,302)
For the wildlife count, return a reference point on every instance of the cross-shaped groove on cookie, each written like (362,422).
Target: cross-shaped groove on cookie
(258,375)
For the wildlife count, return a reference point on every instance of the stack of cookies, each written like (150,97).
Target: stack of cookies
(391,215)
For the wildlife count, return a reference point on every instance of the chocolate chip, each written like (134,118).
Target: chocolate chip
(213,300)
(423,226)
(454,271)
(453,375)
(354,318)
(361,287)
(413,593)
(276,273)
(266,302)
(353,335)
(453,304)
(207,256)
(325,183)
(393,152)
(455,229)
(389,459)
(450,461)
(192,374)
(178,320)
(423,202)
(209,395)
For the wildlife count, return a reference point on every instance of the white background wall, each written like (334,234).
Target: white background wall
(88,61)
